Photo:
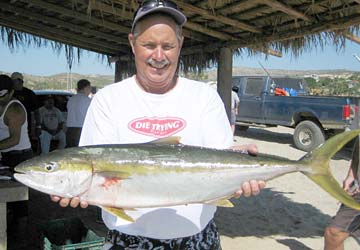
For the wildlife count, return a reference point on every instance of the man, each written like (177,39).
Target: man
(156,103)
(15,145)
(347,220)
(28,98)
(52,122)
(77,107)
(234,107)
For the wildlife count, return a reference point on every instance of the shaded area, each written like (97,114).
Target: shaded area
(270,213)
(294,244)
(27,234)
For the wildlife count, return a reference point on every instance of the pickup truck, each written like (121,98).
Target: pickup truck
(314,118)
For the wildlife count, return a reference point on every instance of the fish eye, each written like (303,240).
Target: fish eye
(51,166)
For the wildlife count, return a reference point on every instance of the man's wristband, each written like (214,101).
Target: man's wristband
(38,126)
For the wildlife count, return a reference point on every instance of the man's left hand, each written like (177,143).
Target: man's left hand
(252,187)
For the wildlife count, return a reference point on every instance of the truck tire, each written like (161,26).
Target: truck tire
(308,135)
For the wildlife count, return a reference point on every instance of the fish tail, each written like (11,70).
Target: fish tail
(319,162)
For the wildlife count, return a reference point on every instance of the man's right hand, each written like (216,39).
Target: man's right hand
(73,202)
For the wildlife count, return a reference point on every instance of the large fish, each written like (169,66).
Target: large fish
(158,174)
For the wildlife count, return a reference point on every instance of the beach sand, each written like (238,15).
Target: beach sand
(291,212)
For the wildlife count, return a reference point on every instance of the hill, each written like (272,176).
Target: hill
(66,81)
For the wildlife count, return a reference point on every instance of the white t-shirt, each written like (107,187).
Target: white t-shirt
(24,142)
(51,118)
(77,107)
(124,113)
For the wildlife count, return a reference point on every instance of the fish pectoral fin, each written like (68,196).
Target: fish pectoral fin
(221,203)
(119,212)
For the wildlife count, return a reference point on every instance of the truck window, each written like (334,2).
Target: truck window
(254,86)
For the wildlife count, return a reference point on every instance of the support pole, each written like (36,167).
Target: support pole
(224,77)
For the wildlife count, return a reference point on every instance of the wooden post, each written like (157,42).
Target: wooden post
(224,76)
(118,77)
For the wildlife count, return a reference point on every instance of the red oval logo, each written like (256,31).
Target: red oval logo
(157,127)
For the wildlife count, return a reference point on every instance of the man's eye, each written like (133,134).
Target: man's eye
(149,46)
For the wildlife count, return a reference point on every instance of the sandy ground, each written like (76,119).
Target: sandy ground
(291,213)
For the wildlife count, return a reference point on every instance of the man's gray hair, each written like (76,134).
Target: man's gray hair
(178,28)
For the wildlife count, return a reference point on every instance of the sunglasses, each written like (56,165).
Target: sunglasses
(150,4)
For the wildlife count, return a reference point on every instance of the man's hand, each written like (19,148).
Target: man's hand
(74,202)
(252,187)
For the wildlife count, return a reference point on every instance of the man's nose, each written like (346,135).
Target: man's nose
(159,53)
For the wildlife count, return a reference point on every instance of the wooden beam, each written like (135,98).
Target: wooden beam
(189,25)
(287,10)
(79,16)
(43,31)
(238,7)
(56,22)
(224,77)
(351,37)
(336,24)
(219,18)
(54,37)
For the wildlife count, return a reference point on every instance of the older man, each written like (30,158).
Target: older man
(156,103)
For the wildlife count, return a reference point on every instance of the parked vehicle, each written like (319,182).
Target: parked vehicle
(314,118)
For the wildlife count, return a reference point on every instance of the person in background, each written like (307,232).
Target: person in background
(15,145)
(77,107)
(347,220)
(157,103)
(234,107)
(28,98)
(52,123)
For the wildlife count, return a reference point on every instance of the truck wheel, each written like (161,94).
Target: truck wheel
(308,135)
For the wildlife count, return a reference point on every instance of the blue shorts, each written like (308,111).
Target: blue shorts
(207,239)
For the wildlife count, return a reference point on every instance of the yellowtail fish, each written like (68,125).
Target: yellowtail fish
(166,173)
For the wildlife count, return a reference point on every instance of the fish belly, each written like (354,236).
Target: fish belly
(175,188)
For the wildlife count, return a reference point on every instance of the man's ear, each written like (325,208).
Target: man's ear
(132,42)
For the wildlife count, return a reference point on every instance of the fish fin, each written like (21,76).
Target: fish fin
(118,212)
(171,140)
(319,169)
(222,203)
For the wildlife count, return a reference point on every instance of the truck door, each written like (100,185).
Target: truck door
(251,99)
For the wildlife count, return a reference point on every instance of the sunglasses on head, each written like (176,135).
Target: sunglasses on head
(150,4)
(3,92)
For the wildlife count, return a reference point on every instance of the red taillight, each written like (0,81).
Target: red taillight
(346,112)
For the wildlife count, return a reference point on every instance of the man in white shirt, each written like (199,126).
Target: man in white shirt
(52,123)
(156,103)
(77,107)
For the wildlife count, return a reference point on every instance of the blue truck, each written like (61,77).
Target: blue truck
(314,118)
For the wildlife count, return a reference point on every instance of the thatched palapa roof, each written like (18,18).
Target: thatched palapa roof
(250,26)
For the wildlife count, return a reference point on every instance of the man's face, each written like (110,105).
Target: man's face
(49,103)
(18,84)
(156,50)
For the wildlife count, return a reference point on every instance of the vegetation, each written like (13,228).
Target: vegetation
(344,86)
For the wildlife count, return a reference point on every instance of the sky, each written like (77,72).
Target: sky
(45,62)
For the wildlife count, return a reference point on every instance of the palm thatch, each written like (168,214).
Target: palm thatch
(245,26)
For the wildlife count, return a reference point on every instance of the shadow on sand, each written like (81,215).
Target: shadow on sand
(270,213)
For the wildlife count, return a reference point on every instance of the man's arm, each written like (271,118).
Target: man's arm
(14,118)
